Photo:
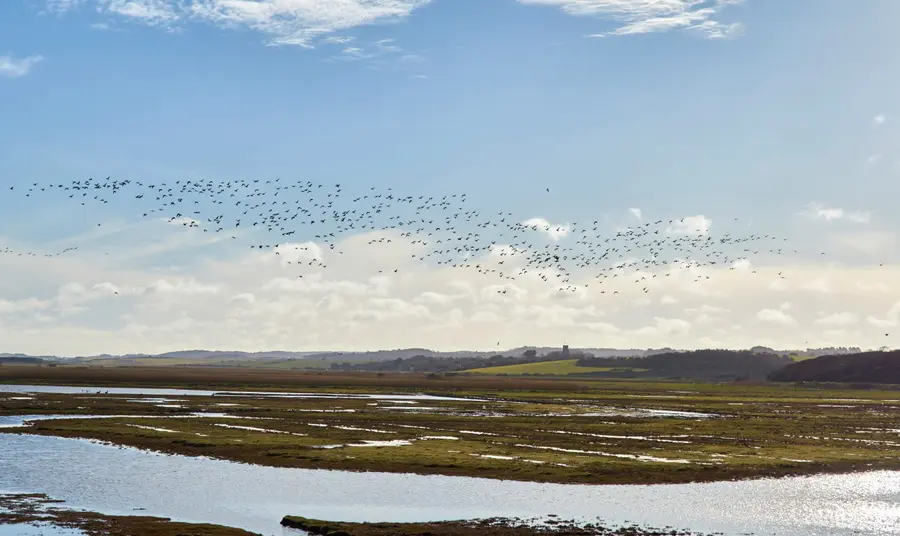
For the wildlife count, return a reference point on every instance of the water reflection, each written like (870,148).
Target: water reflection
(116,480)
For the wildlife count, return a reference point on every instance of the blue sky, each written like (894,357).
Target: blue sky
(752,109)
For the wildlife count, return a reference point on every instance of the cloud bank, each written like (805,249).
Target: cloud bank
(368,292)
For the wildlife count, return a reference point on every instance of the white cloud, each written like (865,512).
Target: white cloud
(871,242)
(838,319)
(690,225)
(246,297)
(816,210)
(706,309)
(889,320)
(284,22)
(879,119)
(150,12)
(28,305)
(435,298)
(776,316)
(555,232)
(649,16)
(337,39)
(308,22)
(180,286)
(62,6)
(636,212)
(12,67)
(819,284)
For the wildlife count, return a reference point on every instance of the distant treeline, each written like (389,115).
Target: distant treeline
(866,367)
(421,363)
(738,364)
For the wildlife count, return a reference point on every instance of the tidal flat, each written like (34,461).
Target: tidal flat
(594,433)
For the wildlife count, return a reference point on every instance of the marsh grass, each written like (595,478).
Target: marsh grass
(524,434)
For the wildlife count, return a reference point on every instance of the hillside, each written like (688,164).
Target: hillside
(867,367)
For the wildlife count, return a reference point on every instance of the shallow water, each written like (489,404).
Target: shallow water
(37,530)
(117,480)
(142,391)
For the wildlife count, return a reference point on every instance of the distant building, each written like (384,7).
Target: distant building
(565,351)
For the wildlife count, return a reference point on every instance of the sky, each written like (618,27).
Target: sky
(744,117)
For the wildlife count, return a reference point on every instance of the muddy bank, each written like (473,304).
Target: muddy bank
(480,527)
(22,509)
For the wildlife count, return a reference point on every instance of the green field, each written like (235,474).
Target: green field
(563,367)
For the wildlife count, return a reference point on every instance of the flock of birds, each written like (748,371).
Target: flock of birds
(271,215)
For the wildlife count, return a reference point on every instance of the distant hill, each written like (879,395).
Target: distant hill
(207,354)
(423,359)
(866,367)
(20,360)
